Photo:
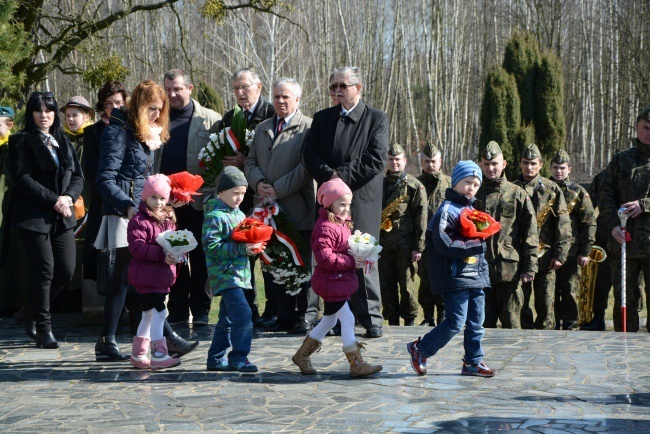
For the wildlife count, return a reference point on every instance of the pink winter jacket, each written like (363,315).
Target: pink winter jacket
(148,272)
(334,277)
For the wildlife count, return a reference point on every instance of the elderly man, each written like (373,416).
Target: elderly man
(350,141)
(190,126)
(247,88)
(275,170)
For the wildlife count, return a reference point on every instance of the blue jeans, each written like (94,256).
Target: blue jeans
(464,307)
(233,328)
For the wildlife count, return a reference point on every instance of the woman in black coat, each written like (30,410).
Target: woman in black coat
(47,180)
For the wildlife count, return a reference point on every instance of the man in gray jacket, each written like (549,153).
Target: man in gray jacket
(274,169)
(190,127)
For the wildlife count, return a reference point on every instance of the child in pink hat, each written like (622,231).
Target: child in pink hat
(152,272)
(334,279)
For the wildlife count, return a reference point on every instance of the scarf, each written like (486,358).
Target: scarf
(154,142)
(5,139)
(79,132)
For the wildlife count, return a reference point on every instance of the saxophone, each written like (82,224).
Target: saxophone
(542,214)
(386,222)
(587,287)
(573,202)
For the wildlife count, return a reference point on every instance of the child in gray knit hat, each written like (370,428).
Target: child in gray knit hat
(229,274)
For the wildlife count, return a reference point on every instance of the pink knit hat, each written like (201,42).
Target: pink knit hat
(156,184)
(332,190)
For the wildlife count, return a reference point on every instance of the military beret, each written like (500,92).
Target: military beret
(395,150)
(561,157)
(430,150)
(492,150)
(6,112)
(531,152)
(644,114)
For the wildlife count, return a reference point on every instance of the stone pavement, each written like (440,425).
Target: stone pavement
(547,381)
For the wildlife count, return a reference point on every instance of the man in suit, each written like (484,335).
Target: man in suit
(190,126)
(350,141)
(247,88)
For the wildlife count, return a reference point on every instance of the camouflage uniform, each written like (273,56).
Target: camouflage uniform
(513,250)
(409,223)
(627,179)
(583,228)
(554,238)
(436,184)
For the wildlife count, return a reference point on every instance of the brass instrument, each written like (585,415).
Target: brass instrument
(587,283)
(542,215)
(573,202)
(386,222)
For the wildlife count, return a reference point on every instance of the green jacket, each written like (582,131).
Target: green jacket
(409,219)
(626,179)
(582,215)
(436,185)
(555,234)
(513,250)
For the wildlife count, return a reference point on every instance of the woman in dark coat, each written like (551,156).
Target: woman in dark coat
(47,180)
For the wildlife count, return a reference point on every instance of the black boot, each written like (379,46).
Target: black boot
(25,314)
(106,350)
(177,347)
(597,324)
(45,339)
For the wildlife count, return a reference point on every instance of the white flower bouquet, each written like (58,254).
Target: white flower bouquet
(178,243)
(364,246)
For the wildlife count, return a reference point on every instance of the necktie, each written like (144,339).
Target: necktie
(280,125)
(247,114)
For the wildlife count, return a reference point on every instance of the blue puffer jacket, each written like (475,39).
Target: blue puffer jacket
(124,164)
(455,262)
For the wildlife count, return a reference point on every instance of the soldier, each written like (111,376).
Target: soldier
(554,229)
(626,184)
(404,222)
(512,252)
(583,228)
(436,183)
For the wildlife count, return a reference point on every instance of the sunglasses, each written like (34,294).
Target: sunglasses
(45,94)
(343,86)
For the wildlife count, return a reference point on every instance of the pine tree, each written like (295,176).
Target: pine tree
(521,59)
(14,48)
(550,124)
(208,97)
(500,111)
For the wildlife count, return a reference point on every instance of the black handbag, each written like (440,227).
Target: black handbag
(105,269)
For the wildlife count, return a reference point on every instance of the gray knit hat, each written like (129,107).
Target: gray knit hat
(230,177)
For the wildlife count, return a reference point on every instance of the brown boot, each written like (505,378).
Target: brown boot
(359,368)
(301,358)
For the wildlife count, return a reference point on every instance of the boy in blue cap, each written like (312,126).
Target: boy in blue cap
(459,264)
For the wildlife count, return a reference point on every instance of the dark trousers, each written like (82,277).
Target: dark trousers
(566,292)
(503,303)
(291,308)
(634,267)
(190,292)
(52,260)
(602,287)
(116,292)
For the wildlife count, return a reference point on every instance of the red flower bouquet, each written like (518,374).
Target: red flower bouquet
(252,231)
(477,224)
(184,186)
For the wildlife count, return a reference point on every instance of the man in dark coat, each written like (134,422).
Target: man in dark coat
(350,141)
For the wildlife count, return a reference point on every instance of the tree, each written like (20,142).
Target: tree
(549,98)
(14,47)
(521,59)
(210,98)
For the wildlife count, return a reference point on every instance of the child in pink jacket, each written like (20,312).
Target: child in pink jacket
(152,272)
(334,279)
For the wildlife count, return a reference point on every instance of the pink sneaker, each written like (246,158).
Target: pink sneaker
(139,351)
(159,357)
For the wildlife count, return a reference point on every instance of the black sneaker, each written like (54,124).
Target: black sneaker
(373,332)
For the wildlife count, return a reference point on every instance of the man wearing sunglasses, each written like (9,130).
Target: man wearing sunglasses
(350,141)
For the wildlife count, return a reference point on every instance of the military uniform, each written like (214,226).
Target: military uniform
(409,222)
(513,250)
(554,243)
(435,184)
(583,230)
(627,179)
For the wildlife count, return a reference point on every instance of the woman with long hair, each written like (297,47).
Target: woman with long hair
(47,180)
(125,159)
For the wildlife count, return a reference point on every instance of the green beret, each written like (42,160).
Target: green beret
(531,152)
(395,150)
(430,150)
(561,157)
(492,150)
(644,114)
(6,112)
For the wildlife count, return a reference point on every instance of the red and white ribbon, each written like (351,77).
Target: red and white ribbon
(265,215)
(232,140)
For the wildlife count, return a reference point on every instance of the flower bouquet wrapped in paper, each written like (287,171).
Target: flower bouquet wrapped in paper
(252,231)
(178,243)
(477,224)
(184,186)
(364,246)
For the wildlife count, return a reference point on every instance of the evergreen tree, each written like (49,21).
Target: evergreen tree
(550,124)
(14,48)
(209,97)
(500,112)
(521,59)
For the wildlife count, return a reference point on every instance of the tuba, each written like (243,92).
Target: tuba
(587,277)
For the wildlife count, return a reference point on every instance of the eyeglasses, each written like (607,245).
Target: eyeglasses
(45,94)
(242,87)
(343,86)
